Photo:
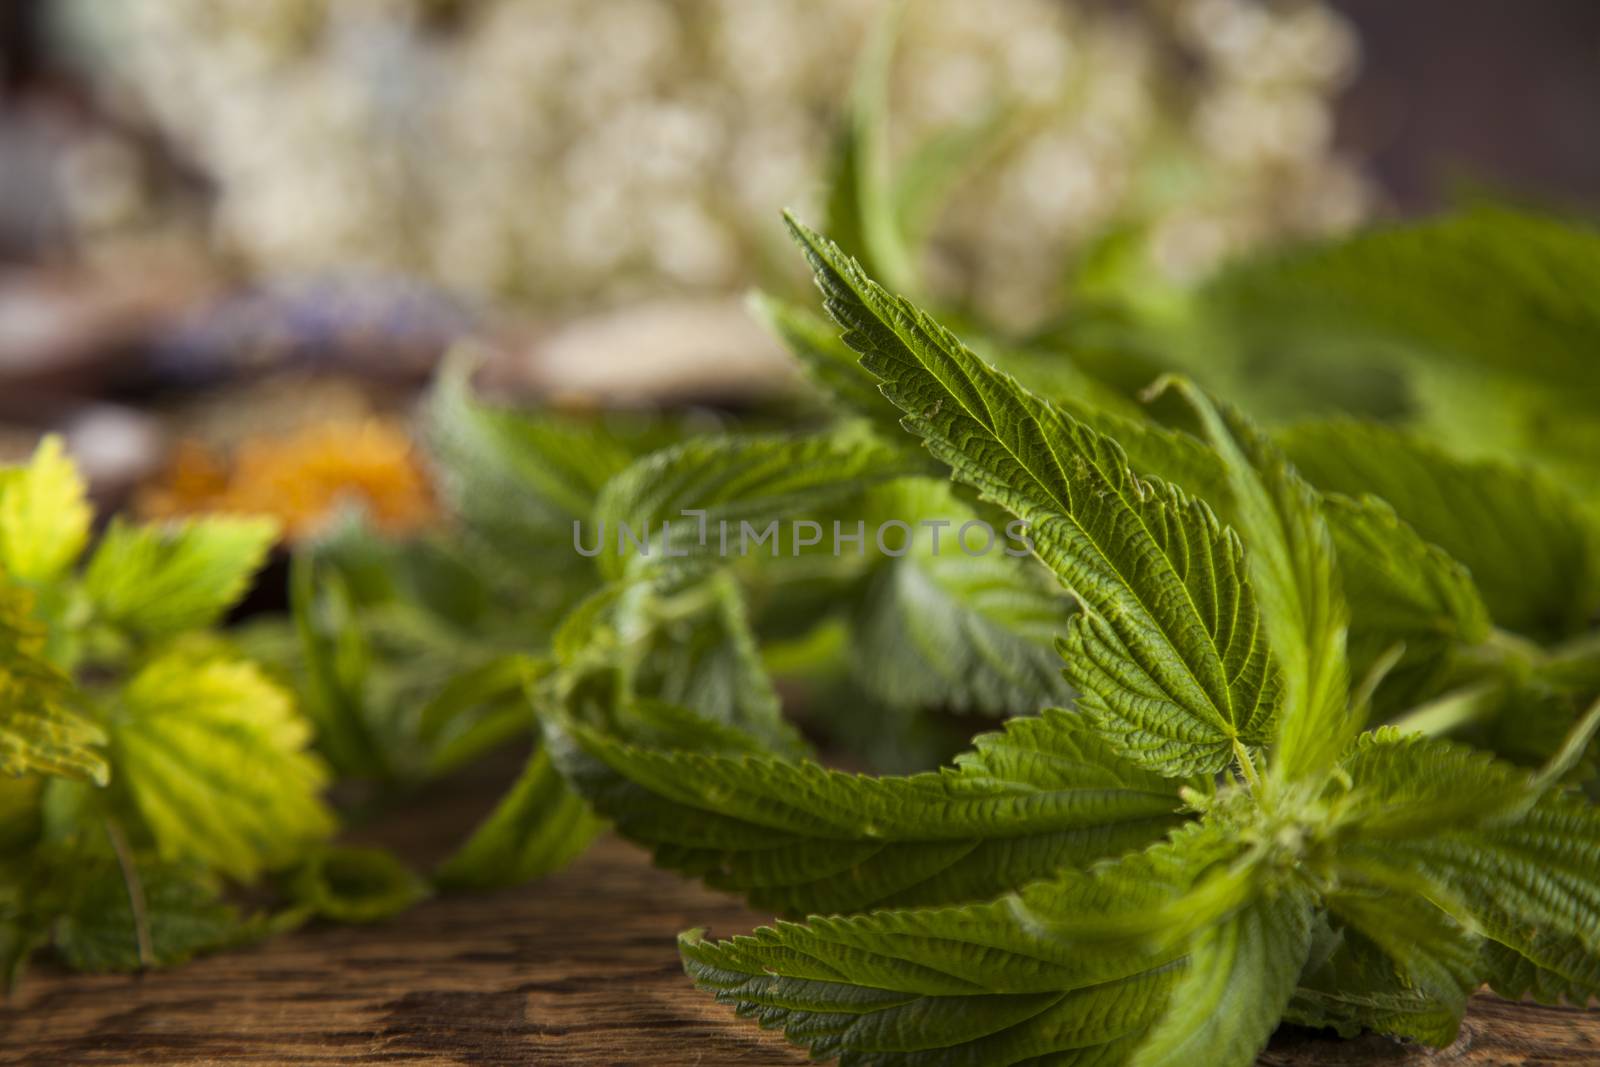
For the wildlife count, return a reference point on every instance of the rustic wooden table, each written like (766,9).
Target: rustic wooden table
(578,969)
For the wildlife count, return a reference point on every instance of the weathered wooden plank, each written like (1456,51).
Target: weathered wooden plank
(580,968)
(1496,1033)
(577,969)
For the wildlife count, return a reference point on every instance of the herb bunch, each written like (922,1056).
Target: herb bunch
(1323,874)
(1291,724)
(1201,838)
(1207,845)
(152,768)
(147,762)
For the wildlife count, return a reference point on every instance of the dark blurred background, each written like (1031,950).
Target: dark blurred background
(1506,95)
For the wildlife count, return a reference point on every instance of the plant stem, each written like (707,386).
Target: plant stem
(135,887)
(1247,766)
(1576,663)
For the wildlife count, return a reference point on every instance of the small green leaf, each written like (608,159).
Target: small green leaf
(44,515)
(1518,863)
(1548,967)
(742,484)
(1433,954)
(159,580)
(517,478)
(1240,976)
(336,667)
(963,621)
(961,633)
(1491,288)
(1408,785)
(42,728)
(356,885)
(1357,987)
(540,826)
(179,907)
(213,756)
(712,664)
(1401,590)
(462,693)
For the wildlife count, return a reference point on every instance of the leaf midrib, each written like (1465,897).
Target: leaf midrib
(1226,718)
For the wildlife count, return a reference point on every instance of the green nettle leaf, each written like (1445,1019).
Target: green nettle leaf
(1530,886)
(335,666)
(356,885)
(1061,971)
(1296,578)
(1240,976)
(694,646)
(794,837)
(180,913)
(1434,955)
(1400,588)
(473,711)
(214,757)
(42,729)
(431,575)
(39,732)
(518,479)
(967,634)
(958,622)
(1363,882)
(1514,862)
(159,580)
(674,640)
(1509,417)
(1549,968)
(44,515)
(1409,782)
(1194,948)
(1477,328)
(1358,987)
(744,485)
(1167,652)
(1528,544)
(401,678)
(540,826)
(1491,288)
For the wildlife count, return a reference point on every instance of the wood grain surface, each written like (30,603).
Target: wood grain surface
(579,969)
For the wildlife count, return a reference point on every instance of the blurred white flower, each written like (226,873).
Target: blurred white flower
(568,152)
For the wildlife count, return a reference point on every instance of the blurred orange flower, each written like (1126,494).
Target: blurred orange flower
(302,479)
